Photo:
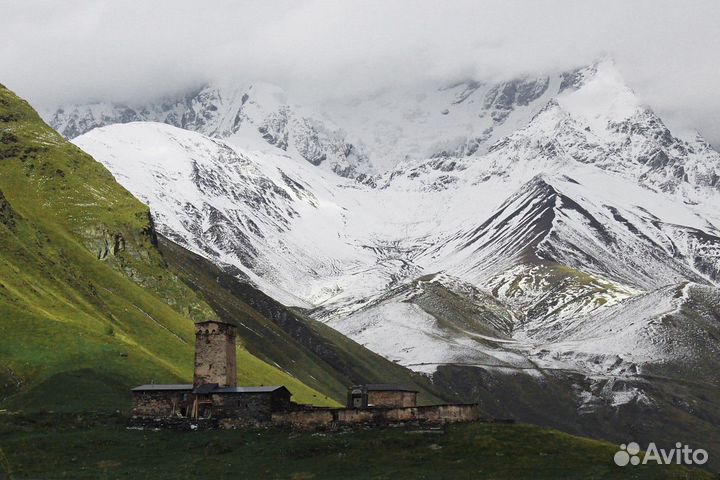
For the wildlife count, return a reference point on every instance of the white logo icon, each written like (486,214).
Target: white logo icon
(628,454)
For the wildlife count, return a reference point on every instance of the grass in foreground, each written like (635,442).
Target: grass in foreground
(70,447)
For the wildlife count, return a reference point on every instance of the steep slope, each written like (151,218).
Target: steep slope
(235,206)
(69,234)
(307,349)
(432,321)
(87,301)
(554,225)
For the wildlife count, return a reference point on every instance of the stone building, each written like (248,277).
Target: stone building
(214,400)
(214,392)
(381,395)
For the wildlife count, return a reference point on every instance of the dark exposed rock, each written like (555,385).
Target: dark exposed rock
(574,78)
(502,98)
(275,130)
(470,88)
(8,138)
(7,214)
(110,244)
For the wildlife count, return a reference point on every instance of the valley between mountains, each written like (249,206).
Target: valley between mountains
(544,246)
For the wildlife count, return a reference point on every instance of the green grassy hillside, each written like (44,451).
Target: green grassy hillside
(88,306)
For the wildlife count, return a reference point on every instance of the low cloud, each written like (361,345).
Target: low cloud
(57,52)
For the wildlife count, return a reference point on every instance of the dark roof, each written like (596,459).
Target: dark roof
(385,387)
(208,388)
(161,387)
(251,389)
(219,322)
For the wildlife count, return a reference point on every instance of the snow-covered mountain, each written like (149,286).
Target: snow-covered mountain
(575,198)
(549,227)
(258,114)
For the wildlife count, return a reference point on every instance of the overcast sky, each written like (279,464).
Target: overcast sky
(68,51)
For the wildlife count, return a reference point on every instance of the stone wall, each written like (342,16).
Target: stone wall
(391,398)
(157,404)
(333,418)
(246,407)
(152,415)
(305,419)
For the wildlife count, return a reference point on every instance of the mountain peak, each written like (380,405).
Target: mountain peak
(268,94)
(600,97)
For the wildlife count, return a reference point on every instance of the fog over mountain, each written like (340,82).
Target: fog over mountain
(119,50)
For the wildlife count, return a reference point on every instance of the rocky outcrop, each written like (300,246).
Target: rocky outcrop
(503,98)
(7,214)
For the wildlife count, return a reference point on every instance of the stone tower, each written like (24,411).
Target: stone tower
(215,360)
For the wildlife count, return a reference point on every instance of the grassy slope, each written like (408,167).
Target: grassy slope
(459,451)
(87,304)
